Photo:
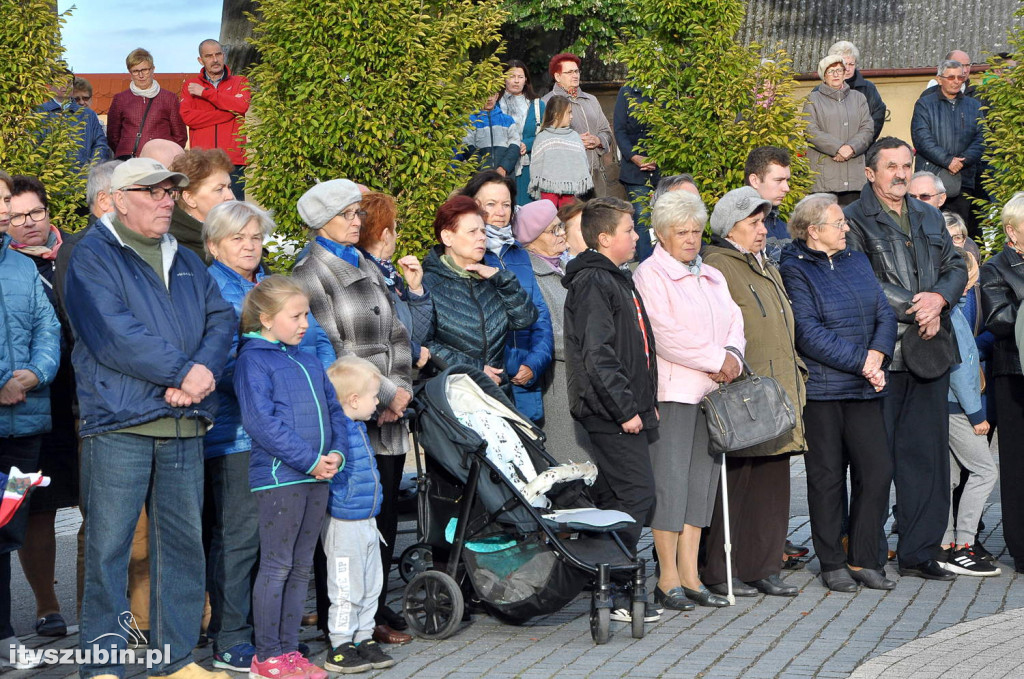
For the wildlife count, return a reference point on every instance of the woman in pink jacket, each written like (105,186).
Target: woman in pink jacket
(694,318)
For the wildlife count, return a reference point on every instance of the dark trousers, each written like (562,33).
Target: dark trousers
(238,182)
(917,423)
(963,206)
(21,452)
(844,198)
(625,480)
(390,468)
(857,427)
(758,520)
(1008,392)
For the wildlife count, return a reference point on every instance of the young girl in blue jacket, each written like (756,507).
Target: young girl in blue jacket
(299,436)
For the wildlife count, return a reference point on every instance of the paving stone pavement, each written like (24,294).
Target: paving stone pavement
(920,629)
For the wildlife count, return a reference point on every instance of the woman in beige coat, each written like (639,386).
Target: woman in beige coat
(839,132)
(757,477)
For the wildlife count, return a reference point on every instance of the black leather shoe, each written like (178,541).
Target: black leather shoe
(774,586)
(929,570)
(705,597)
(839,580)
(392,619)
(738,589)
(673,600)
(872,579)
(793,550)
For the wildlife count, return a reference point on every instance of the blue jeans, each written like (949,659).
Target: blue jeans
(638,194)
(121,472)
(234,546)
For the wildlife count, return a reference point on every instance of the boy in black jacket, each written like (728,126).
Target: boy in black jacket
(613,375)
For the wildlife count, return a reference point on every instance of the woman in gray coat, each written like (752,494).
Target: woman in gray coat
(839,131)
(542,233)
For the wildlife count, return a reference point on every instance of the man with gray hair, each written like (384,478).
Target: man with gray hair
(152,334)
(928,188)
(946,130)
(851,57)
(965,60)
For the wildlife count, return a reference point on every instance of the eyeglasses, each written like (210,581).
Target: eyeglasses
(957,78)
(349,215)
(556,230)
(841,224)
(924,196)
(838,70)
(37,215)
(141,71)
(957,238)
(83,99)
(157,193)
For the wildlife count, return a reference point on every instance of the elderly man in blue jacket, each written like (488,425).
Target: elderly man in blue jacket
(152,333)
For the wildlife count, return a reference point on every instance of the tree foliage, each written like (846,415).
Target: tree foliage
(31,142)
(1002,90)
(376,91)
(588,27)
(708,99)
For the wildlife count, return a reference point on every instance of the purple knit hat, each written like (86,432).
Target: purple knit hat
(532,219)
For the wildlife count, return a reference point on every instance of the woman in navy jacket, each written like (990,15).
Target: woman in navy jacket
(845,332)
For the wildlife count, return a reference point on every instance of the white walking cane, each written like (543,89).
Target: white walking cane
(728,538)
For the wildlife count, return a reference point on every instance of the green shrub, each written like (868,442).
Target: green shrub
(379,92)
(32,143)
(1002,89)
(701,85)
(585,26)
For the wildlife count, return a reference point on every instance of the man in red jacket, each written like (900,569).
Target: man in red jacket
(213,105)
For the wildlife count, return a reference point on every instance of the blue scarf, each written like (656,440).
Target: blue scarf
(347,253)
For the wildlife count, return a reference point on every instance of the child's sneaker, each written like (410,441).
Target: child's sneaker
(277,667)
(346,660)
(371,652)
(307,668)
(238,658)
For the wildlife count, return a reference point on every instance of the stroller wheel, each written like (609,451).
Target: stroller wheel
(601,624)
(639,611)
(433,605)
(415,560)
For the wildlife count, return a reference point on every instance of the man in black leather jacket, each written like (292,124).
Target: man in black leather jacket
(923,277)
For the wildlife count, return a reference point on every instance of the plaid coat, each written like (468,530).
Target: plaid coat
(357,313)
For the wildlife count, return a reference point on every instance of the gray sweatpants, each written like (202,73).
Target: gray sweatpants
(970,451)
(354,577)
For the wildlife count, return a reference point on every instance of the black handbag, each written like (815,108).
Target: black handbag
(751,410)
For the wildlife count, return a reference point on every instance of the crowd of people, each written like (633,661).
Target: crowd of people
(209,417)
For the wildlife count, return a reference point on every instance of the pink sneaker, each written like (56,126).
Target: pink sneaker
(308,669)
(277,667)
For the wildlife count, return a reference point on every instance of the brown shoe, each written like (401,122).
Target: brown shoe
(383,634)
(310,619)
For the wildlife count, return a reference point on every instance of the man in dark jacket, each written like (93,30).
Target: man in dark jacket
(923,277)
(609,351)
(947,132)
(152,334)
(851,55)
(638,173)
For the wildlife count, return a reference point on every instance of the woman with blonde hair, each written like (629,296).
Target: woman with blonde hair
(143,111)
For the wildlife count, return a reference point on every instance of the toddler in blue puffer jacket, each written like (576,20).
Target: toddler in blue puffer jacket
(350,538)
(299,441)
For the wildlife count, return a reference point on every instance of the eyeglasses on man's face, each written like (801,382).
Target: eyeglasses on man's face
(157,193)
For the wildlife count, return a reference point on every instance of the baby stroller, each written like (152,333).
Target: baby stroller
(526,540)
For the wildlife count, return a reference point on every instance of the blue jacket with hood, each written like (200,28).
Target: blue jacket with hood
(136,336)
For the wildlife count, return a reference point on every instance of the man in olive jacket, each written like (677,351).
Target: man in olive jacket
(923,277)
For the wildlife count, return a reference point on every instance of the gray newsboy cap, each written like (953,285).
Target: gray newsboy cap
(325,200)
(736,206)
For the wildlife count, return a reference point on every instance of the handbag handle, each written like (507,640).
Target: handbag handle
(747,370)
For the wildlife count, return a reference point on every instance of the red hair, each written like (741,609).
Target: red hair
(555,65)
(380,216)
(451,211)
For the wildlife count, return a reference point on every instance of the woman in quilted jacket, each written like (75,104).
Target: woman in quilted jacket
(846,334)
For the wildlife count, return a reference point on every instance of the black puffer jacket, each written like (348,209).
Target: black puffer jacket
(875,104)
(927,262)
(611,379)
(1002,290)
(472,316)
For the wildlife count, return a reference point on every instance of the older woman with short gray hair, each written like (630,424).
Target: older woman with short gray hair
(846,334)
(694,319)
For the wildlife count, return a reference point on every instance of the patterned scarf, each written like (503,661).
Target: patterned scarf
(391,276)
(498,237)
(48,251)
